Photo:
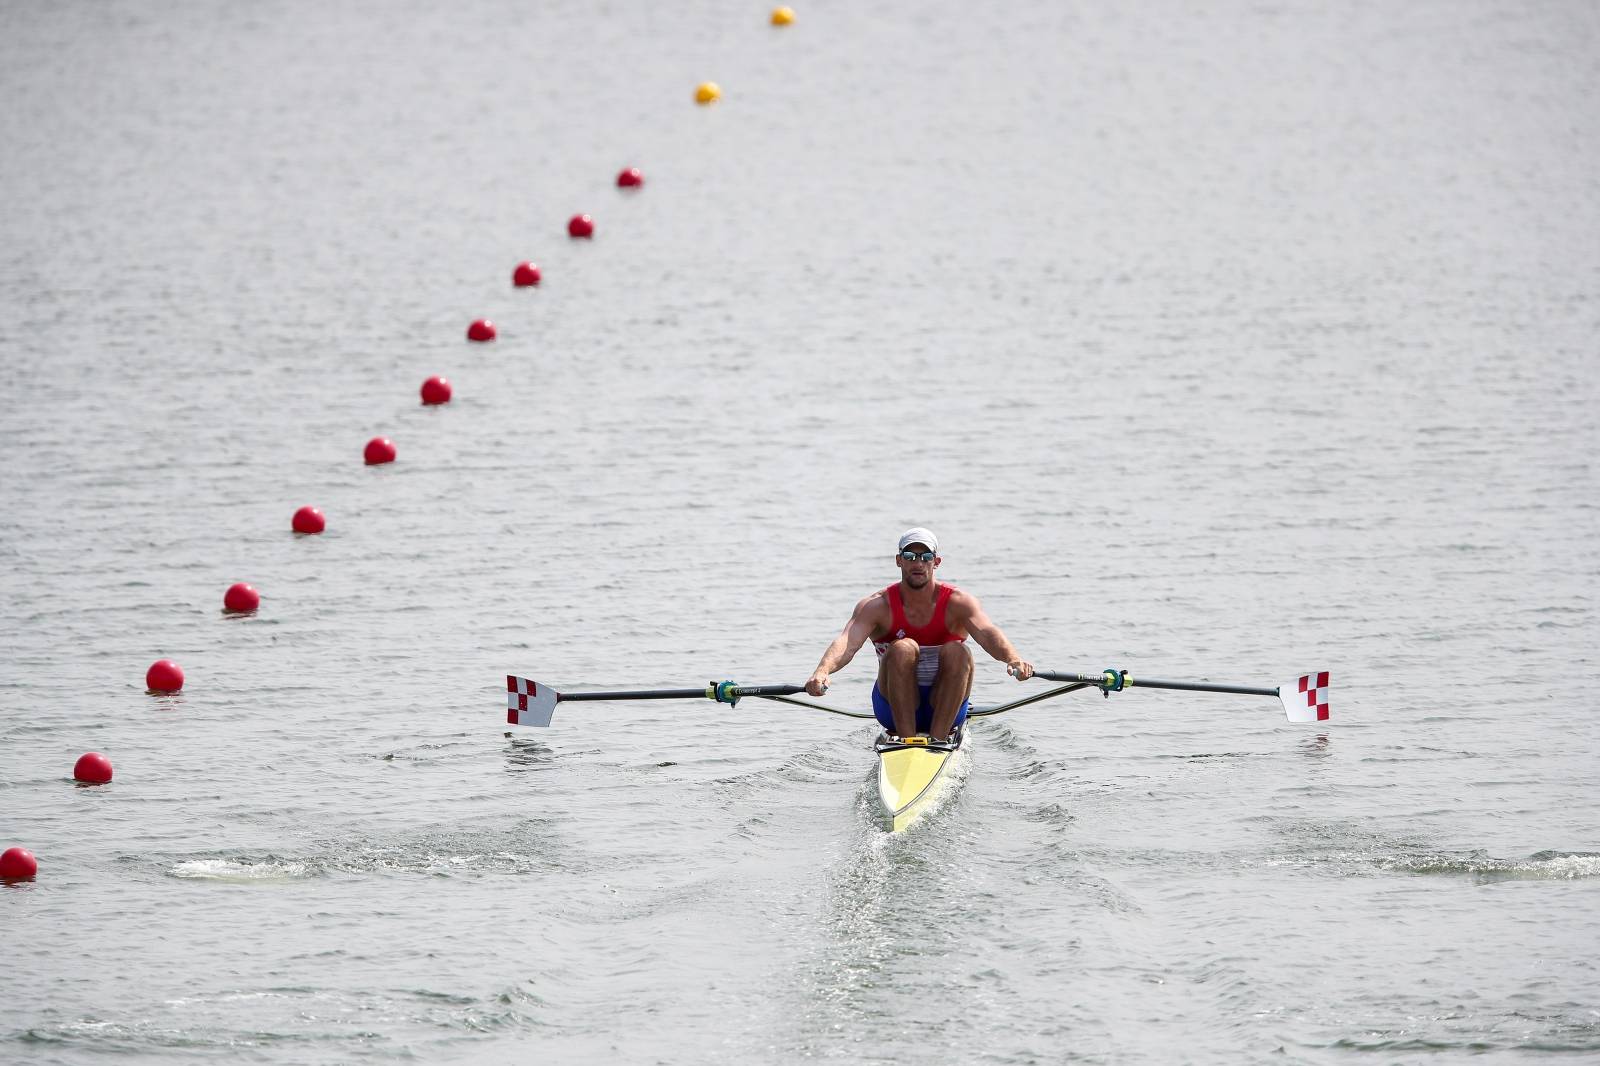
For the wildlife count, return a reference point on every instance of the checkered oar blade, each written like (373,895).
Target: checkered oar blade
(529,702)
(1306,699)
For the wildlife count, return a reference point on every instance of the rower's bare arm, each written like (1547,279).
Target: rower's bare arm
(989,636)
(844,646)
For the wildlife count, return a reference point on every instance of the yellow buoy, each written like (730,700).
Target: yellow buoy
(782,16)
(708,92)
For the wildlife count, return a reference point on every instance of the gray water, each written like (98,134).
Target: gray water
(1216,341)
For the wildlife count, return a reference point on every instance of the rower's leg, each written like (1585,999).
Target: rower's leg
(950,688)
(897,680)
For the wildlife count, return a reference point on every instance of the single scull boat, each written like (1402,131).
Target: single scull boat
(912,771)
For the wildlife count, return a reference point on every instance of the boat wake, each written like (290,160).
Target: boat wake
(525,846)
(269,869)
(1342,847)
(1540,866)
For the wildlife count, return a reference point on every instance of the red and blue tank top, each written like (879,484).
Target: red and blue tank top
(930,636)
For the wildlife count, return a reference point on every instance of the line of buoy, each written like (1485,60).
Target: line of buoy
(165,677)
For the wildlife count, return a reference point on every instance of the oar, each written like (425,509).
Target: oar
(534,702)
(1304,699)
(979,712)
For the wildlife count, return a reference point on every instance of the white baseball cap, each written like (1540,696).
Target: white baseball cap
(918,535)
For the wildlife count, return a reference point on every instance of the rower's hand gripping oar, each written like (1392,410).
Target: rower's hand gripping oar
(1304,699)
(533,702)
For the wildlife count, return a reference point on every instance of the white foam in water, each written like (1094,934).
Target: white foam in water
(1544,866)
(233,871)
(955,775)
(1569,867)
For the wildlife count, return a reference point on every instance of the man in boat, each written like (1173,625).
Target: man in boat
(919,629)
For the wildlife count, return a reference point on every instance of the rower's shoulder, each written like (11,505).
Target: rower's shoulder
(873,602)
(960,598)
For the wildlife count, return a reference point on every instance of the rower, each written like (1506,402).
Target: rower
(919,629)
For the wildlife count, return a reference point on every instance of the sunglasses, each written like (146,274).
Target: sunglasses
(918,557)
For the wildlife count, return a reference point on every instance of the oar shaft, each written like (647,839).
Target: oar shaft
(1181,686)
(705,692)
(635,694)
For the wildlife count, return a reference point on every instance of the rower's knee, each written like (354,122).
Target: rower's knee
(954,656)
(901,655)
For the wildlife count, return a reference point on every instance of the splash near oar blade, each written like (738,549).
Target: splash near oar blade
(529,702)
(1306,700)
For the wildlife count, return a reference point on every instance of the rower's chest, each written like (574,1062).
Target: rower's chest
(918,615)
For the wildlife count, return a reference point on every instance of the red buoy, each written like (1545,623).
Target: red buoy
(580,226)
(241,598)
(380,450)
(164,675)
(630,178)
(481,330)
(526,274)
(17,864)
(92,769)
(309,520)
(436,391)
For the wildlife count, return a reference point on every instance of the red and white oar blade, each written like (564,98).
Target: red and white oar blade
(1306,699)
(528,702)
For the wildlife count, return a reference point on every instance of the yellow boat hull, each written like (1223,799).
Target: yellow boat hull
(912,773)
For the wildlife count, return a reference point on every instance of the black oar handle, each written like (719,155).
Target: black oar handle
(768,690)
(1116,680)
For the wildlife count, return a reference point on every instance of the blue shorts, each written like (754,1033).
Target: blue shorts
(885,716)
